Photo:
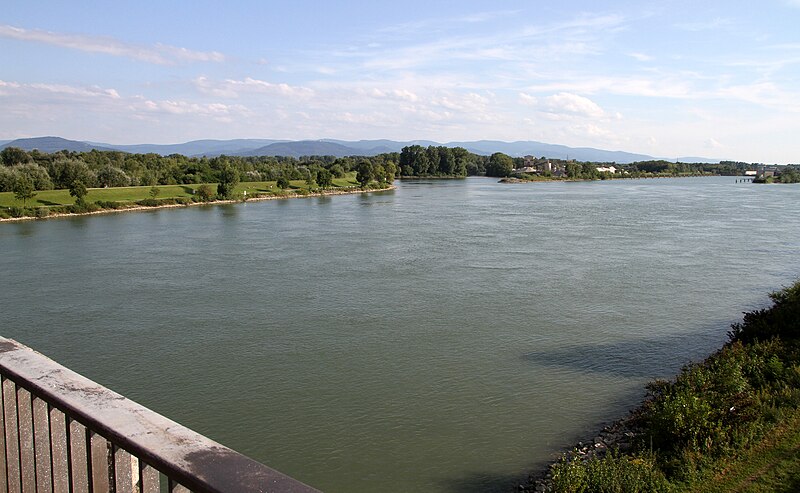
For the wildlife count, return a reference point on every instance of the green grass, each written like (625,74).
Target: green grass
(771,466)
(132,194)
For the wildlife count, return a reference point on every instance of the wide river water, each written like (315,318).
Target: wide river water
(445,336)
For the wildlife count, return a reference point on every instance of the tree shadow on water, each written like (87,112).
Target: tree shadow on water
(485,483)
(643,358)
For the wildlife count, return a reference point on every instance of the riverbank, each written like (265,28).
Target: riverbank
(133,207)
(540,179)
(699,430)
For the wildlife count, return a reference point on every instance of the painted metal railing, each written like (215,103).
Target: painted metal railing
(61,432)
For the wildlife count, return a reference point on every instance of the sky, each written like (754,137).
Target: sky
(671,78)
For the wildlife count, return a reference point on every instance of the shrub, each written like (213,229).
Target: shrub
(108,204)
(148,202)
(613,473)
(204,192)
(41,212)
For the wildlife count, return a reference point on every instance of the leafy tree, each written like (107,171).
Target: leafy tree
(324,178)
(311,177)
(228,179)
(790,175)
(154,191)
(364,172)
(390,170)
(282,183)
(79,191)
(23,189)
(37,174)
(11,156)
(337,170)
(499,165)
(110,176)
(65,171)
(573,170)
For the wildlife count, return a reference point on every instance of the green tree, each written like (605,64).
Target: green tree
(499,165)
(154,191)
(390,170)
(324,178)
(228,179)
(573,170)
(204,192)
(283,183)
(11,156)
(79,191)
(364,172)
(23,189)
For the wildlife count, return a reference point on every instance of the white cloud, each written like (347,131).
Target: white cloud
(260,86)
(230,88)
(159,53)
(573,104)
(188,108)
(528,99)
(709,25)
(640,57)
(392,94)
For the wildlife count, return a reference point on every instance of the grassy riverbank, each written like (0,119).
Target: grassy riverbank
(48,203)
(48,198)
(728,424)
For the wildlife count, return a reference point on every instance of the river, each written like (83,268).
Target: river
(444,336)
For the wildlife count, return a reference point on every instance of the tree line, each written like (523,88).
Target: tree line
(22,170)
(98,169)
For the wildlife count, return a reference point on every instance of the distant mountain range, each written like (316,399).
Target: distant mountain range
(338,148)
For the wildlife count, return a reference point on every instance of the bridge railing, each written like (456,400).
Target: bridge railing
(61,432)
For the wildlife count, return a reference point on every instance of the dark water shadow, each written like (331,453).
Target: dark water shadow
(643,358)
(507,483)
(485,483)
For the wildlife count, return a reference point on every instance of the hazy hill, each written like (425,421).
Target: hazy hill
(53,144)
(340,148)
(306,148)
(539,149)
(207,147)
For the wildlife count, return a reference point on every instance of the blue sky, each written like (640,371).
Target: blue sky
(668,78)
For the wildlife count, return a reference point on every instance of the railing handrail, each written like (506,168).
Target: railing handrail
(189,458)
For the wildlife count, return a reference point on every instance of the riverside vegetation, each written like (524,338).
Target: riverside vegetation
(39,185)
(730,423)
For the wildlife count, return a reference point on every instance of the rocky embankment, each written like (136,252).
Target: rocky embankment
(619,435)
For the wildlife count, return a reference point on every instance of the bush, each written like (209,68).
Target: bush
(17,211)
(41,212)
(613,473)
(108,204)
(148,202)
(204,193)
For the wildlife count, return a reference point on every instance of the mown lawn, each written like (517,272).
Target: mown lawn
(132,194)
